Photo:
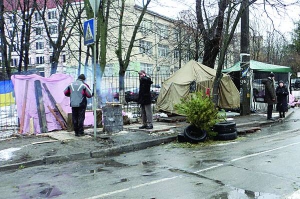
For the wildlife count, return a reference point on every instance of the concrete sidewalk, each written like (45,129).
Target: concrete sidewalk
(25,151)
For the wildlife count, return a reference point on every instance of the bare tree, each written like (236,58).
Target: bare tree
(67,16)
(218,29)
(124,60)
(27,10)
(189,38)
(9,33)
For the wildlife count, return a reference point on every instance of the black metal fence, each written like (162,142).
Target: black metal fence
(110,92)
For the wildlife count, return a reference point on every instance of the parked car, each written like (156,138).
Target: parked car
(297,84)
(155,88)
(132,95)
(293,83)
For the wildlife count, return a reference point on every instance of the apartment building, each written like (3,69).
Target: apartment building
(156,46)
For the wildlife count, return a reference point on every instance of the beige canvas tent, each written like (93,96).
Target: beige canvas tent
(178,86)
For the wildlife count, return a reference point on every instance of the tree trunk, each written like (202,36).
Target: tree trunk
(211,50)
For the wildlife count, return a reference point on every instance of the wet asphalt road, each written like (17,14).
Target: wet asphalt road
(261,165)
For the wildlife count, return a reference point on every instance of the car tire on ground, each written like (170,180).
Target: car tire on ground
(228,136)
(224,127)
(193,134)
(181,138)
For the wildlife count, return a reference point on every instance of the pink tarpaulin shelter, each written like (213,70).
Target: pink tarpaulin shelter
(56,84)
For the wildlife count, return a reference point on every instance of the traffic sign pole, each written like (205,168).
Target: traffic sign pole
(95,73)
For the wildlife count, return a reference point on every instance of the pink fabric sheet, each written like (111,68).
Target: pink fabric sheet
(56,84)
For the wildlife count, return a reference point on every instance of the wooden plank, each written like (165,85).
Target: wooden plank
(43,142)
(62,112)
(70,123)
(57,118)
(55,105)
(23,108)
(31,126)
(40,106)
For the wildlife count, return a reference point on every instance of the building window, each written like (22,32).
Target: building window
(13,62)
(109,70)
(52,14)
(176,54)
(53,30)
(50,45)
(176,35)
(146,27)
(37,17)
(188,56)
(12,19)
(39,45)
(38,31)
(164,69)
(148,68)
(40,60)
(146,47)
(163,31)
(163,50)
(15,47)
(64,59)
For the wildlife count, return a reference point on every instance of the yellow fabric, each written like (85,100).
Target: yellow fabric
(178,85)
(6,99)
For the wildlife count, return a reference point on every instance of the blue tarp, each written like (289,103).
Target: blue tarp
(6,86)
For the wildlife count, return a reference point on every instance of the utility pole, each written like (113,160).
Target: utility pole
(245,61)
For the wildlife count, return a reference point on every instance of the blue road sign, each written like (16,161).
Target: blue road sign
(88,32)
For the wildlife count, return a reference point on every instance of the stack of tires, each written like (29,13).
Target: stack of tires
(225,130)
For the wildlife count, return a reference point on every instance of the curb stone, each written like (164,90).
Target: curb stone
(87,155)
(131,147)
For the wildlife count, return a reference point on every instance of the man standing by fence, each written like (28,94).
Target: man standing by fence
(270,94)
(145,100)
(78,91)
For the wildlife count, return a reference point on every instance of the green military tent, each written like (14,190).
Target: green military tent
(178,86)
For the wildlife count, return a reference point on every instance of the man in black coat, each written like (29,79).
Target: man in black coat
(145,100)
(282,93)
(270,95)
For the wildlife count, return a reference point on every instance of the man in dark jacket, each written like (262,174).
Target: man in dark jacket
(282,93)
(145,100)
(270,96)
(78,91)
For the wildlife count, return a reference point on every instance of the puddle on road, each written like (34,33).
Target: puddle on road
(50,192)
(244,194)
(97,170)
(7,154)
(111,163)
(39,190)
(148,163)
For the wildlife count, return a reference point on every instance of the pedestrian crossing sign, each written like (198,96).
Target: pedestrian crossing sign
(88,32)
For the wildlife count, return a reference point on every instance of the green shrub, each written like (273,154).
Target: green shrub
(199,110)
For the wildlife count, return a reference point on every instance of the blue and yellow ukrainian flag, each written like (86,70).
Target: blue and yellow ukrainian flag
(6,93)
